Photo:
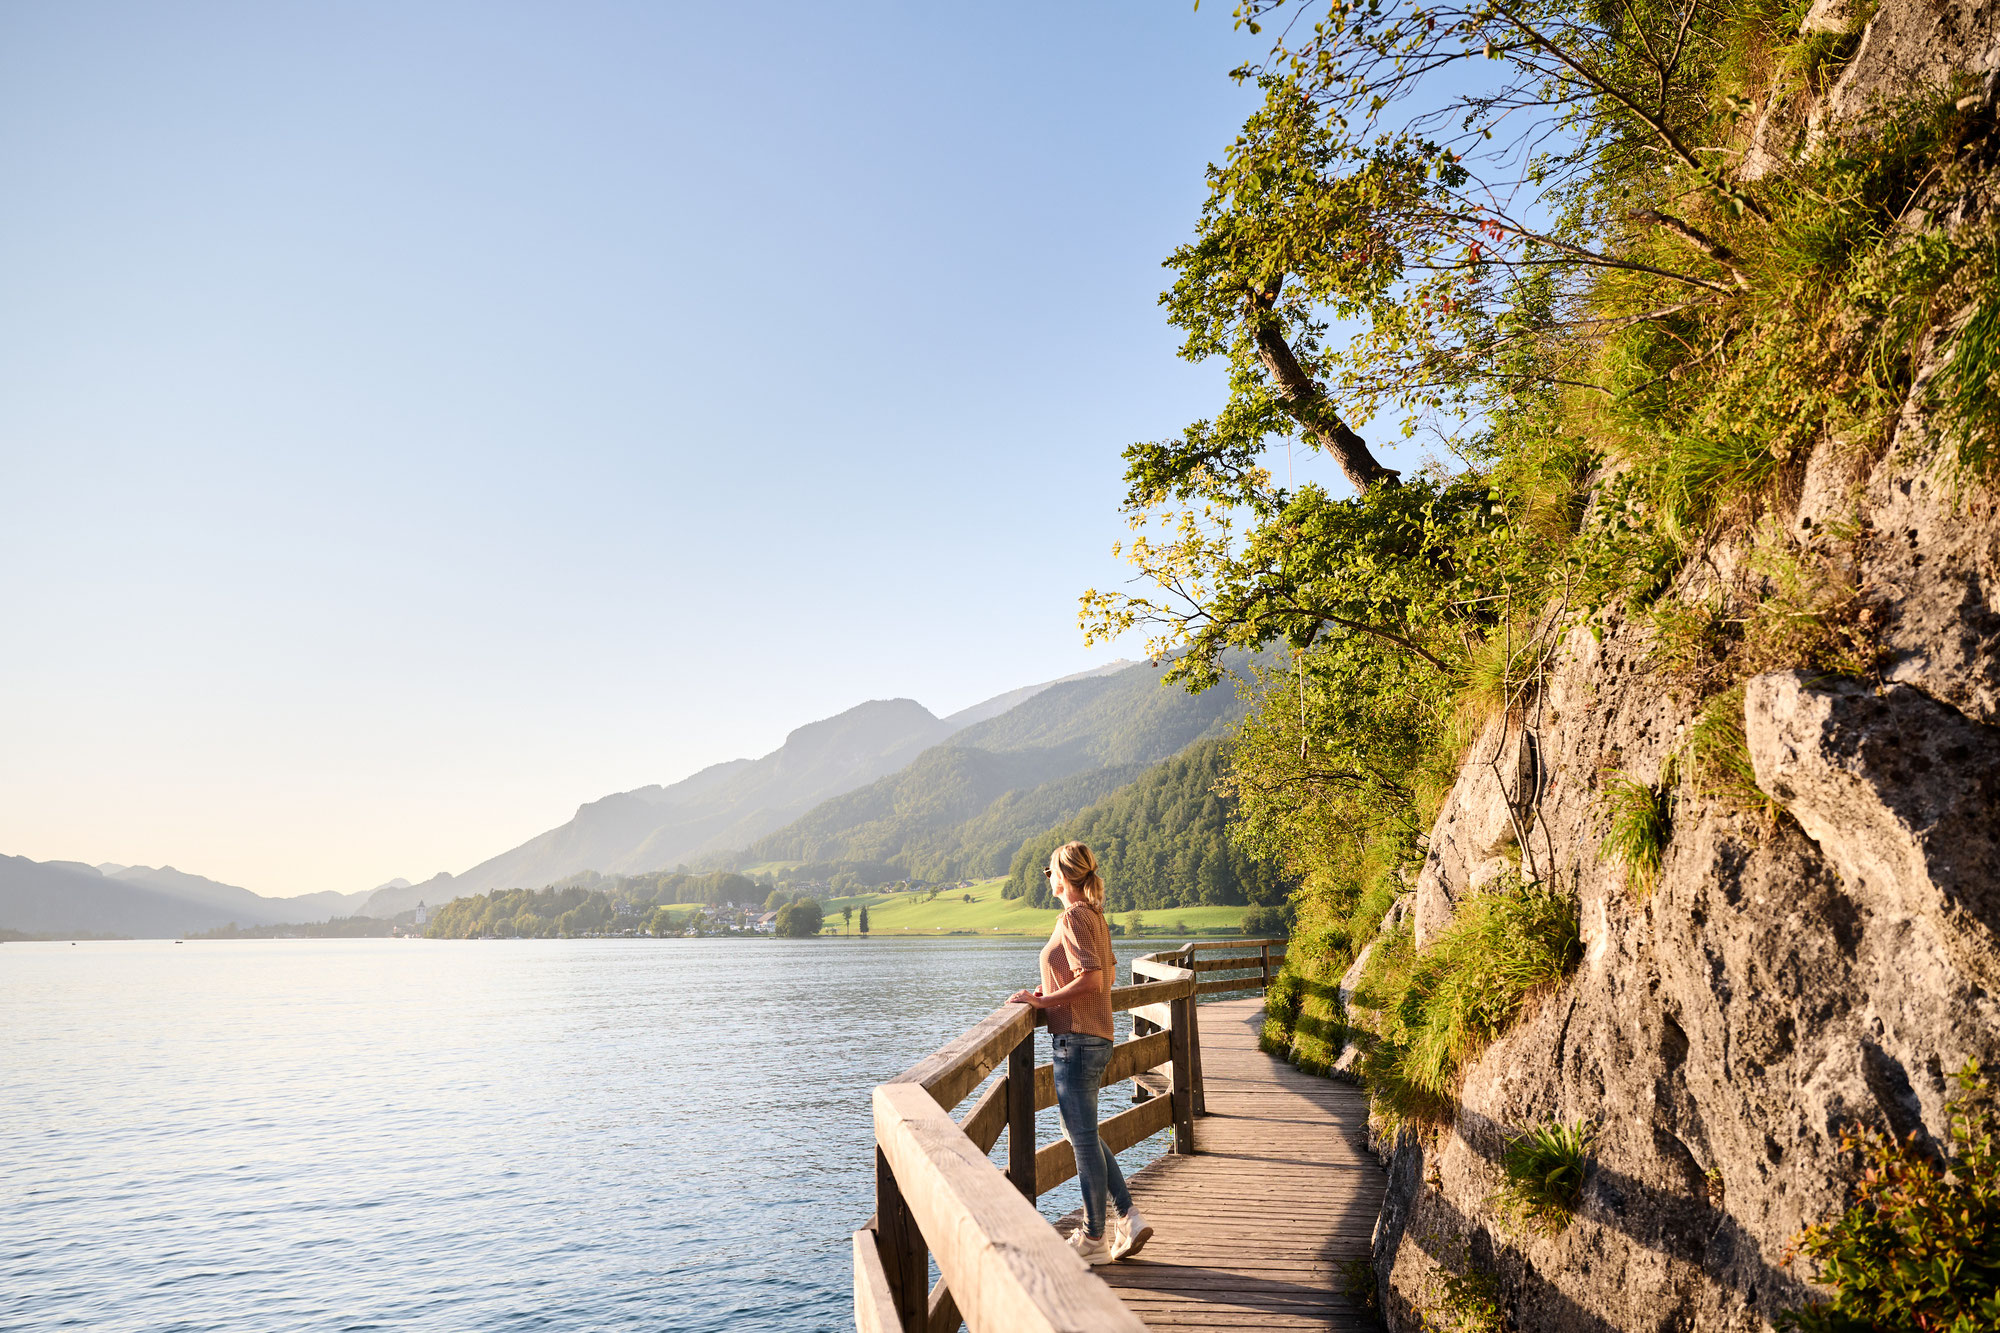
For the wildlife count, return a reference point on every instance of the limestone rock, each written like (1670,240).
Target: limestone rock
(1783,981)
(1901,793)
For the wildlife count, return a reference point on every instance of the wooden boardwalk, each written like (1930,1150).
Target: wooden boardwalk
(1252,1231)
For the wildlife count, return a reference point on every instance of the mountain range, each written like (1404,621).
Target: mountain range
(727,805)
(961,808)
(71,898)
(886,784)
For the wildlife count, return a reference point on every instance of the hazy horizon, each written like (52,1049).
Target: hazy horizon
(420,422)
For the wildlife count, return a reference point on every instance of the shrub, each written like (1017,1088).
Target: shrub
(1440,1007)
(1265,921)
(1467,1298)
(1358,1284)
(1545,1169)
(1919,1248)
(1281,1012)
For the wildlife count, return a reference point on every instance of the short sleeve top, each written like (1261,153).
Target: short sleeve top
(1081,942)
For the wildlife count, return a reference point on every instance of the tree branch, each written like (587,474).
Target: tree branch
(1699,240)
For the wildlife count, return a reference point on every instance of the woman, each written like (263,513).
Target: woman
(1075,994)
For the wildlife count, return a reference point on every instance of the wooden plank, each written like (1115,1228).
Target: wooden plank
(956,1069)
(1159,1015)
(1182,1097)
(1004,1265)
(1251,963)
(944,1316)
(1137,1056)
(1128,1059)
(1274,941)
(988,1116)
(1252,1232)
(1132,997)
(1057,1162)
(1024,1092)
(901,1245)
(874,1306)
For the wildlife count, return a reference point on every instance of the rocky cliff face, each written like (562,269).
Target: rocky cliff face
(1791,972)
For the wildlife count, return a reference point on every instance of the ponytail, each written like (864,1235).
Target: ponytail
(1078,866)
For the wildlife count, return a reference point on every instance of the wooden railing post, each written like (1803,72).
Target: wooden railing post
(1194,1056)
(1264,956)
(1021,1115)
(1199,1103)
(905,1259)
(1180,1039)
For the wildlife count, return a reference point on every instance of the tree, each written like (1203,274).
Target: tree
(800,920)
(864,921)
(847,914)
(1437,214)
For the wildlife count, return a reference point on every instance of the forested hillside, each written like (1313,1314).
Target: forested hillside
(1162,841)
(962,809)
(1639,754)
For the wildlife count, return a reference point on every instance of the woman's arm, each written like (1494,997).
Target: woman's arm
(1083,982)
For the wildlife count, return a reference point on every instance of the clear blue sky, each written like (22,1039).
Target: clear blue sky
(417,419)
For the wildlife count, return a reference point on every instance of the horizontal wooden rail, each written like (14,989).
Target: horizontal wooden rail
(1129,1059)
(956,1069)
(988,1116)
(874,1304)
(1250,964)
(1056,1162)
(1229,984)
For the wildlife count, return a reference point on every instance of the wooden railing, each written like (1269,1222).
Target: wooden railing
(937,1194)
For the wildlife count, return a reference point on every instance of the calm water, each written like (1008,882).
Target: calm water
(385,1134)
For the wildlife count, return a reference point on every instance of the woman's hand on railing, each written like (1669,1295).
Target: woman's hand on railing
(1031,998)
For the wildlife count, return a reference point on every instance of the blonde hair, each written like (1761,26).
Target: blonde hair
(1078,867)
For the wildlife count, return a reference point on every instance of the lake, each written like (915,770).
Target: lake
(419,1134)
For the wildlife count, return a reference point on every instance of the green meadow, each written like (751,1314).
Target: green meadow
(949,913)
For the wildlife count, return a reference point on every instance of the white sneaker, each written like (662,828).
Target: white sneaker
(1130,1234)
(1093,1250)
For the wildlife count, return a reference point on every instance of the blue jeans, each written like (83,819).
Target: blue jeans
(1080,1061)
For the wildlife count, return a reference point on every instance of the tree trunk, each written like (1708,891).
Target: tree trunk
(1306,403)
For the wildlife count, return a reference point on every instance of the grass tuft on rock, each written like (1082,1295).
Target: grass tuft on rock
(1439,1007)
(1545,1169)
(1642,824)
(1718,755)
